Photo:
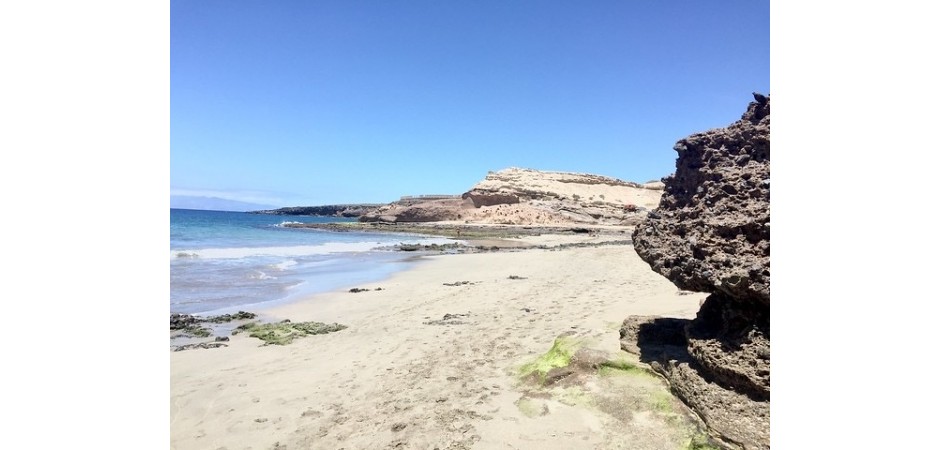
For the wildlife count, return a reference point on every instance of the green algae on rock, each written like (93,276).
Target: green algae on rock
(558,356)
(196,331)
(283,333)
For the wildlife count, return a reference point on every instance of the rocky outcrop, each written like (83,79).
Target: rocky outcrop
(711,233)
(417,210)
(183,321)
(565,197)
(516,196)
(190,325)
(480,199)
(354,210)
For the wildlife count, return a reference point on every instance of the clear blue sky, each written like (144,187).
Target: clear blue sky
(315,102)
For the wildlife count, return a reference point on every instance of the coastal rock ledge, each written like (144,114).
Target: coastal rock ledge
(711,233)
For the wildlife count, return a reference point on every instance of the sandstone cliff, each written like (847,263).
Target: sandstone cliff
(525,196)
(711,233)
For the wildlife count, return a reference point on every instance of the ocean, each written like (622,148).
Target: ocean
(222,262)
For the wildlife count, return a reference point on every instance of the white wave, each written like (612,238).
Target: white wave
(301,250)
(288,222)
(296,250)
(284,265)
(261,276)
(429,241)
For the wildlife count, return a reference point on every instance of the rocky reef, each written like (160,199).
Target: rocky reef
(711,233)
(189,326)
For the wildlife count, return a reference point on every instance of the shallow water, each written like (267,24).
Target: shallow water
(222,262)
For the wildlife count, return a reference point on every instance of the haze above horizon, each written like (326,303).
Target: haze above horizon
(300,103)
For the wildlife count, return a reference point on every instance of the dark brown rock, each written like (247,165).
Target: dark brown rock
(727,339)
(417,210)
(588,359)
(188,321)
(180,348)
(662,337)
(711,233)
(354,210)
(426,214)
(481,198)
(225,318)
(707,373)
(739,420)
(183,321)
(557,374)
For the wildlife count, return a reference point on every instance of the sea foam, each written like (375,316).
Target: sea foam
(295,250)
(300,250)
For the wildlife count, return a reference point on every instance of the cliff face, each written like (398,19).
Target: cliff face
(525,196)
(566,197)
(711,233)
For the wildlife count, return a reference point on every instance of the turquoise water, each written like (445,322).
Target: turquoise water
(228,261)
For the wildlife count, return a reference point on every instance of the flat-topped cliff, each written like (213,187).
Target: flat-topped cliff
(517,196)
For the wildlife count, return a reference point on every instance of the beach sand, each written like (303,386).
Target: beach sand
(394,380)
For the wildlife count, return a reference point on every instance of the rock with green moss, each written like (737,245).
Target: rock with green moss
(225,318)
(701,441)
(191,324)
(573,374)
(196,331)
(284,333)
(556,358)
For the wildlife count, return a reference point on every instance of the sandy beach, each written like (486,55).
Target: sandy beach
(402,377)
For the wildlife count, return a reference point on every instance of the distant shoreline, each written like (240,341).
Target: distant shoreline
(338,210)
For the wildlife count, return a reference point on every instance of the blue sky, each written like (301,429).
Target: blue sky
(313,102)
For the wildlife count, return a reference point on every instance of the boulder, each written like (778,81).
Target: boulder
(183,321)
(711,233)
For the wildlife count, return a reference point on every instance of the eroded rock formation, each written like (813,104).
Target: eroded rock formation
(711,233)
(480,199)
(517,196)
(418,210)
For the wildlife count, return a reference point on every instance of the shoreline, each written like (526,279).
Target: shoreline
(462,230)
(402,375)
(204,281)
(466,238)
